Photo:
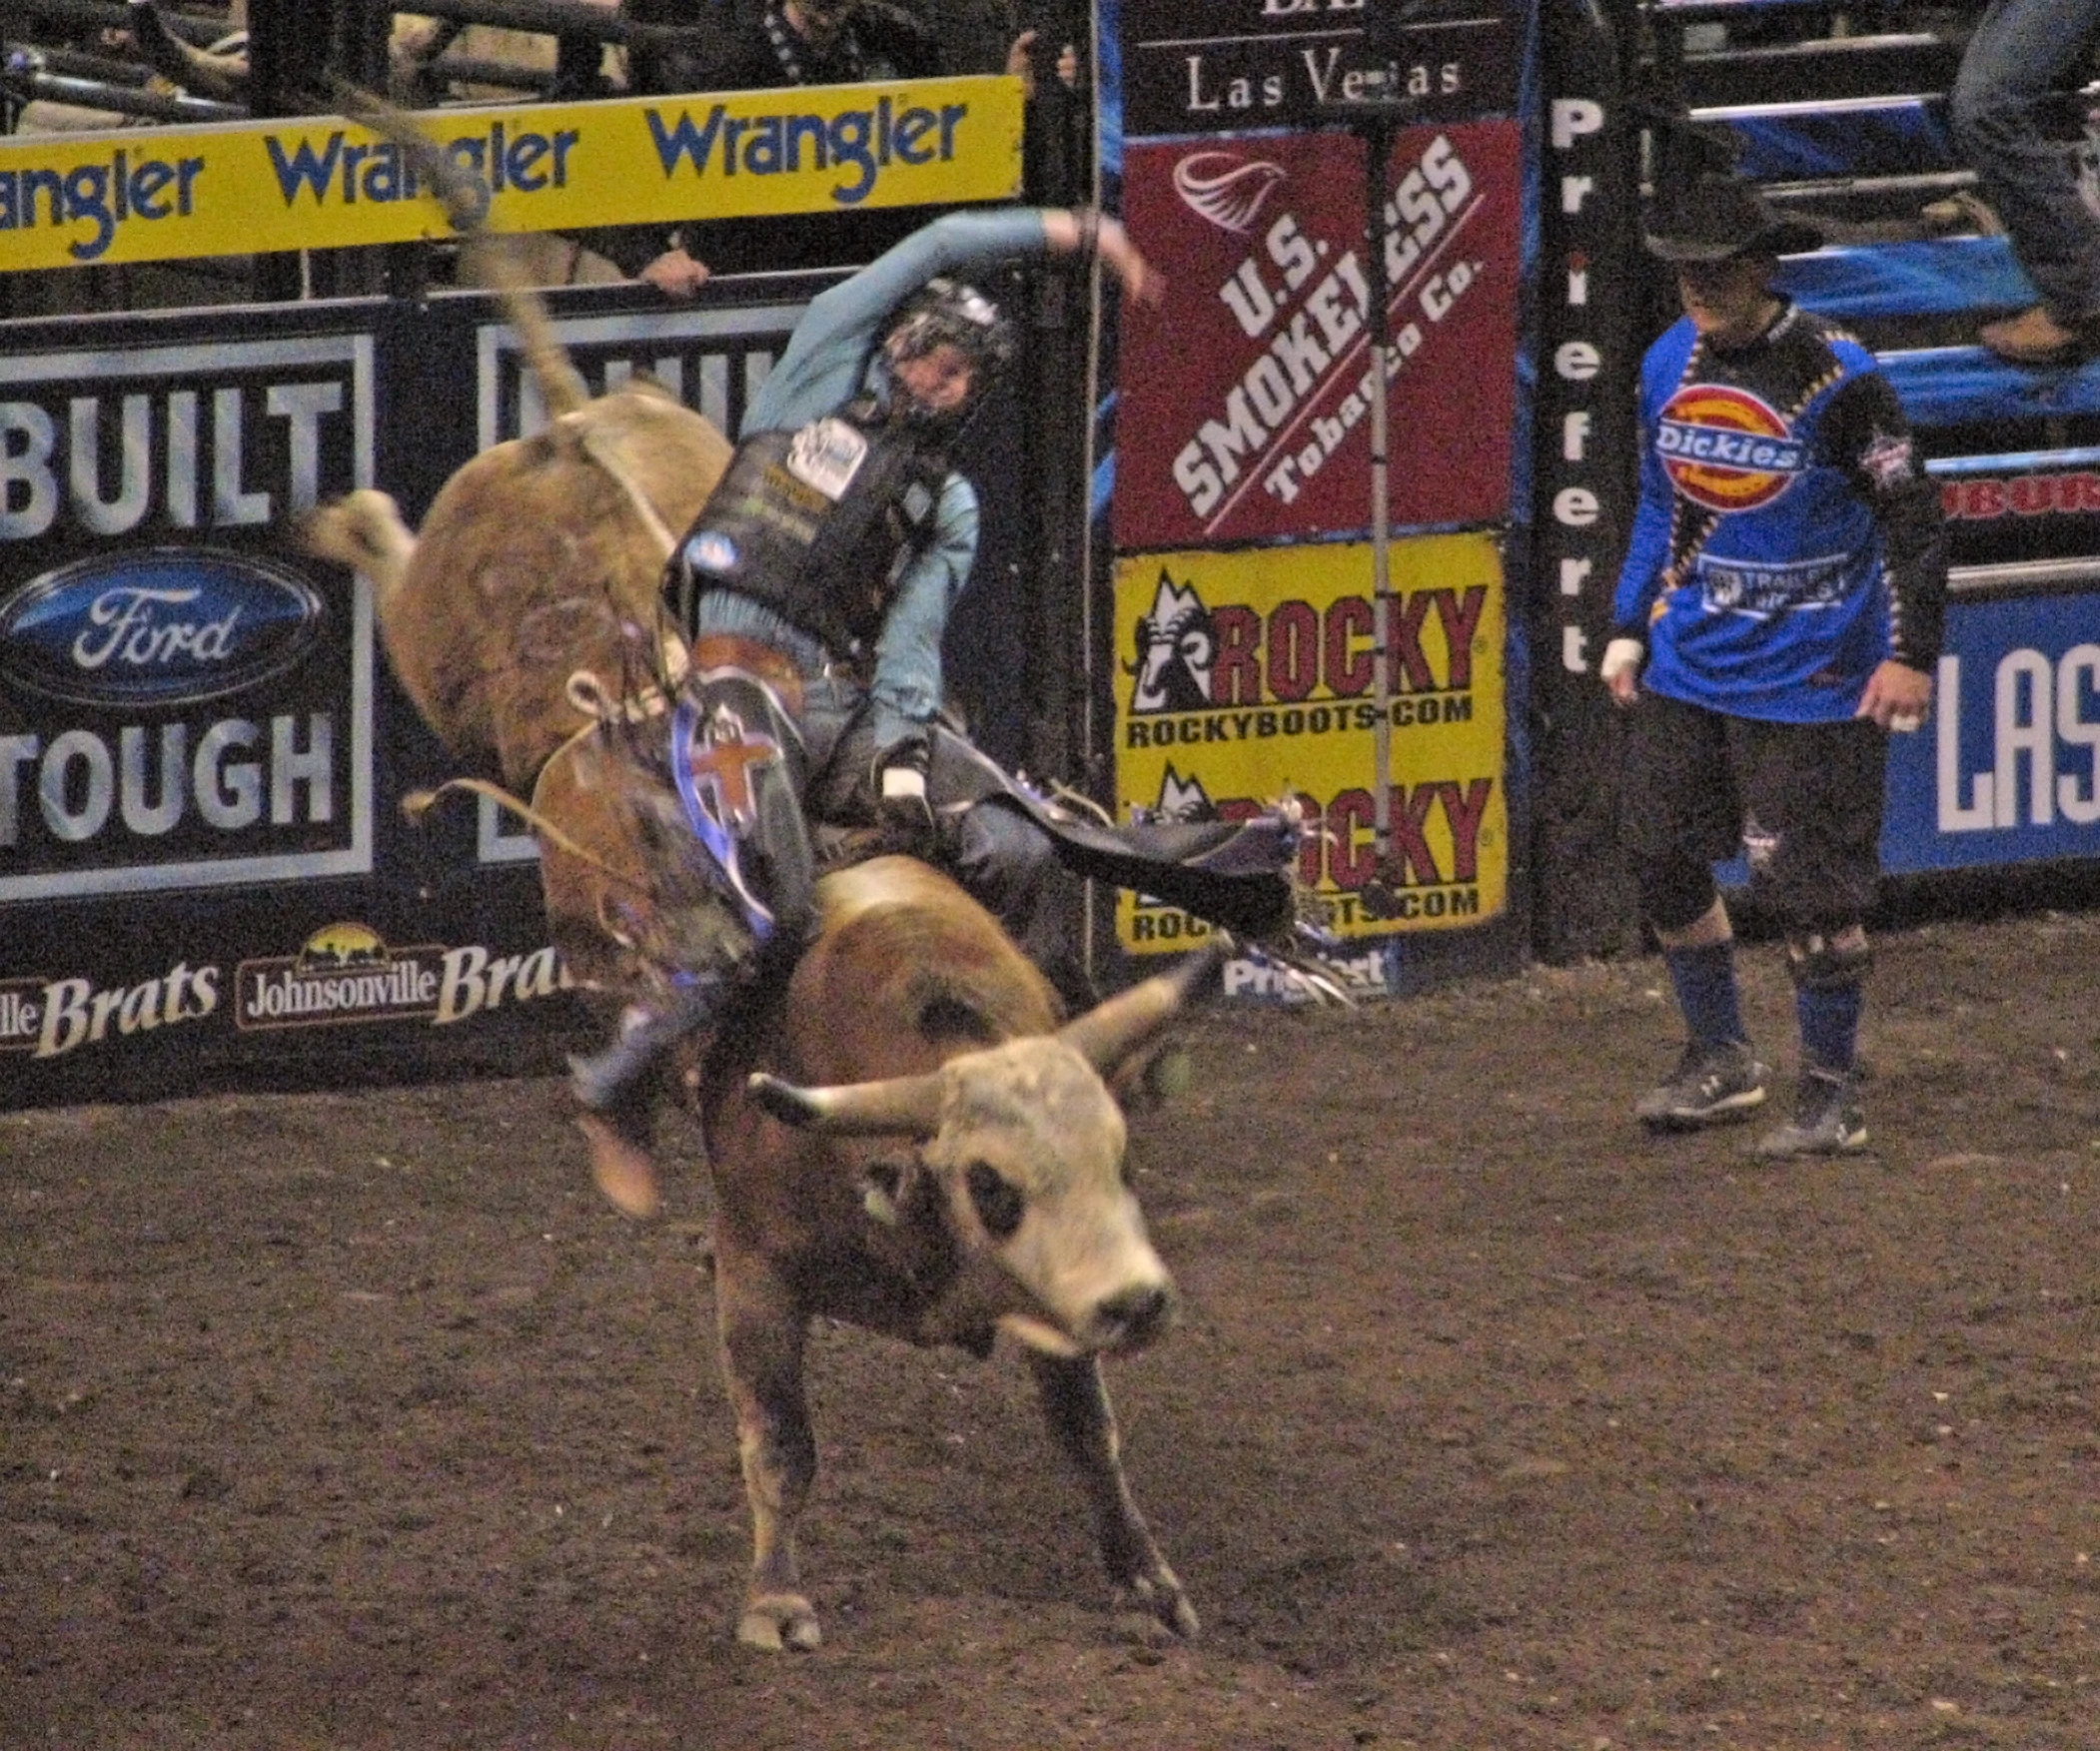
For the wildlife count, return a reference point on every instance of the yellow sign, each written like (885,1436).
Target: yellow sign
(317,181)
(1248,677)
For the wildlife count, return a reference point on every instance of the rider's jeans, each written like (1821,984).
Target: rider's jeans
(1002,859)
(2023,54)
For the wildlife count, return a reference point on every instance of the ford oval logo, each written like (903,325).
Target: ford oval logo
(157,626)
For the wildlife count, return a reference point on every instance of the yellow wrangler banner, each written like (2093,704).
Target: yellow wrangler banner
(1250,678)
(317,181)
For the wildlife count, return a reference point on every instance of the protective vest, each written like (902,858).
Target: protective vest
(816,524)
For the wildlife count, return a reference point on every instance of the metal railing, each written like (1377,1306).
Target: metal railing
(112,81)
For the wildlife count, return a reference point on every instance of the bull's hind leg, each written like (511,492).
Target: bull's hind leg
(762,1336)
(1075,1404)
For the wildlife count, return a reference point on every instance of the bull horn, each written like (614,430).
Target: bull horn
(1109,1032)
(908,1105)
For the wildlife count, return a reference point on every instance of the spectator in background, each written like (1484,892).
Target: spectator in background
(1777,615)
(768,45)
(762,45)
(2020,59)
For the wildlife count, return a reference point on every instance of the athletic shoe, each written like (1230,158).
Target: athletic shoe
(1826,1120)
(1713,1085)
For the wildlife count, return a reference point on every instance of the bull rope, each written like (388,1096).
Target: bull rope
(594,446)
(418,803)
(590,697)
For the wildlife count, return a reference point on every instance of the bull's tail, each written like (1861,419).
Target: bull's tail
(363,529)
(466,199)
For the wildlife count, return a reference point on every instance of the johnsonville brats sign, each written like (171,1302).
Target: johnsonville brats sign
(1246,677)
(1245,397)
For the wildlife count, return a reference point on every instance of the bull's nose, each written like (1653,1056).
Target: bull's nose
(1135,1317)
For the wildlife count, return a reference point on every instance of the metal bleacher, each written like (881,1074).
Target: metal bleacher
(1839,113)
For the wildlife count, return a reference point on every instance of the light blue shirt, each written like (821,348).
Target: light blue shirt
(832,357)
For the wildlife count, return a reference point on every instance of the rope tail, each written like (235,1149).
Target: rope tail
(417,803)
(465,197)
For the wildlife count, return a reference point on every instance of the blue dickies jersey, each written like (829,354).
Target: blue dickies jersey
(1786,541)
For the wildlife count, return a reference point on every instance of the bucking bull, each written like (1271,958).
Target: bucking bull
(899,1133)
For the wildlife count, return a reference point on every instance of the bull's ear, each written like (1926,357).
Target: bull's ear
(904,1105)
(1109,1032)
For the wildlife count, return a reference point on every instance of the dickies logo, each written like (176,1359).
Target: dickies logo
(1727,449)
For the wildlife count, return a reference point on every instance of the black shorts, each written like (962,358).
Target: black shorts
(1807,797)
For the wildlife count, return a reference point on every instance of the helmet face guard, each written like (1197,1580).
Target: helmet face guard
(949,314)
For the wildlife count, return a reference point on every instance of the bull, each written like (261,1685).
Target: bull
(526,623)
(899,1133)
(904,1139)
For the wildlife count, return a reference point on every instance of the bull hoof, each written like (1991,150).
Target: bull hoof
(1156,1613)
(777,1621)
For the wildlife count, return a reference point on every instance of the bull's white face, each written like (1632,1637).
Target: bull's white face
(1030,1154)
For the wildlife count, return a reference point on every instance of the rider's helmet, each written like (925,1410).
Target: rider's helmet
(948,313)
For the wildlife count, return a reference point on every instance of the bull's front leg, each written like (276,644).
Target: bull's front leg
(1083,1424)
(762,1329)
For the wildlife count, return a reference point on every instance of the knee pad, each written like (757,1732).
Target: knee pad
(1821,963)
(1676,893)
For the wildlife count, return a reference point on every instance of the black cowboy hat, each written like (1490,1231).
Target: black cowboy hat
(1720,218)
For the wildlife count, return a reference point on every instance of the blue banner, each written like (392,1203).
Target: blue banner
(2008,770)
(1926,277)
(1953,386)
(1860,137)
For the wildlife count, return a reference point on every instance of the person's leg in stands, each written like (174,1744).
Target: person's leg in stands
(2022,56)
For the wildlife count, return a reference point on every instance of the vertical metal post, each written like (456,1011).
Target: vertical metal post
(1376,132)
(287,41)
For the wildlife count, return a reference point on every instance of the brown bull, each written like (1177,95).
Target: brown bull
(899,1135)
(542,559)
(526,623)
(949,1167)
(535,563)
(957,1171)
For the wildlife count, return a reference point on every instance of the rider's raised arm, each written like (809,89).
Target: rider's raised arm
(826,360)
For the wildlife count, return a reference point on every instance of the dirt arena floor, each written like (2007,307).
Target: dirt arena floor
(357,1420)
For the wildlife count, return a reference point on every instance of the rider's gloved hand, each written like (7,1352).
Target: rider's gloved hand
(902,810)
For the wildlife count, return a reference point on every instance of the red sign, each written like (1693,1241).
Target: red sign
(1245,406)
